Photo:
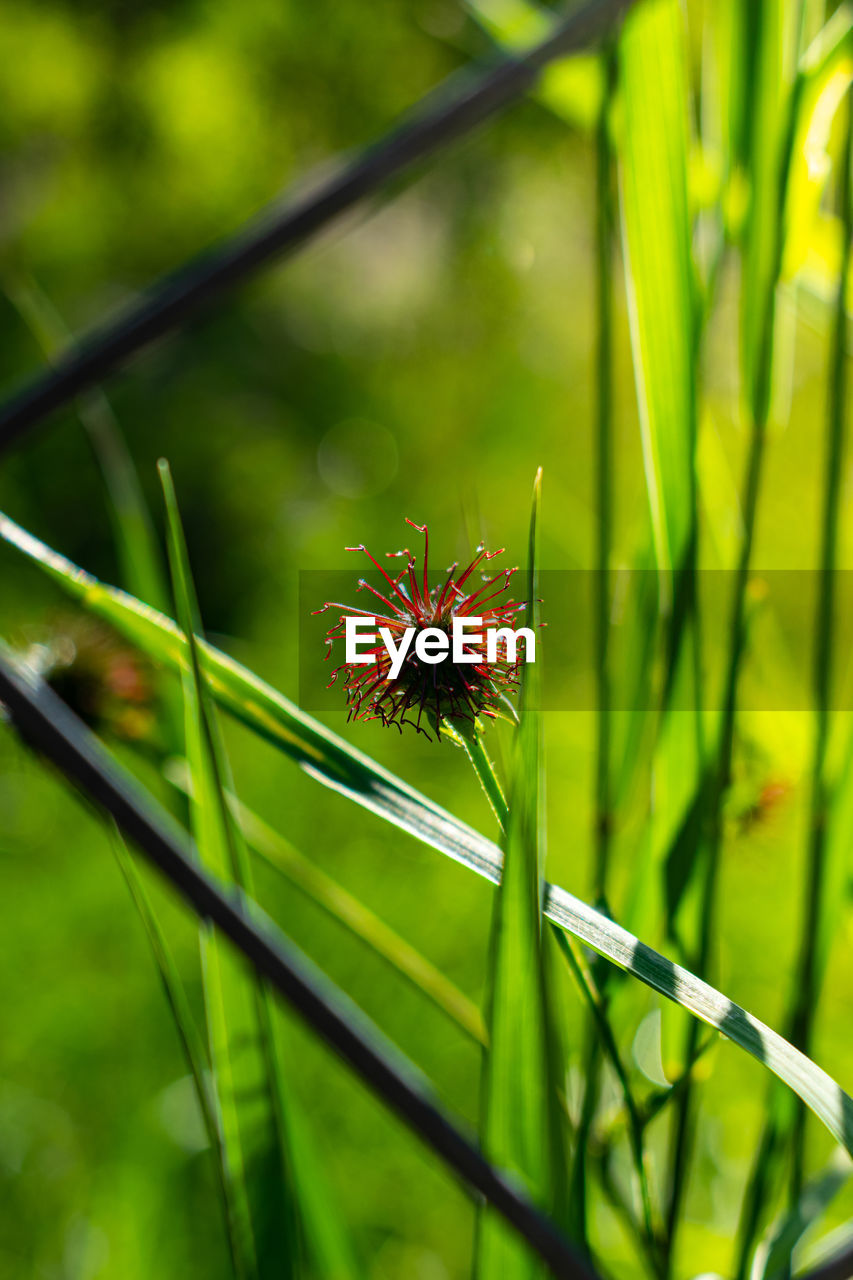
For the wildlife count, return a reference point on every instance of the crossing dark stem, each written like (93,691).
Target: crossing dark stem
(447,114)
(48,725)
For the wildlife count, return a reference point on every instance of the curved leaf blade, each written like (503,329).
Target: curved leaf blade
(331,761)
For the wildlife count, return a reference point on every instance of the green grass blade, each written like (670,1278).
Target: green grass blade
(659,271)
(822,80)
(265,1148)
(269,713)
(822,872)
(521,1127)
(254,1165)
(192,1044)
(347,910)
(774,168)
(770,121)
(662,310)
(818,1090)
(330,760)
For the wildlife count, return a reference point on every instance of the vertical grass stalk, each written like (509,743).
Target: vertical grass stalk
(603,819)
(770,163)
(806,989)
(605,225)
(603,1036)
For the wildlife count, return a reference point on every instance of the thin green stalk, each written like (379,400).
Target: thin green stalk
(682,1141)
(605,221)
(589,1104)
(363,923)
(760,403)
(596,1005)
(605,224)
(473,743)
(192,1044)
(757,1192)
(806,988)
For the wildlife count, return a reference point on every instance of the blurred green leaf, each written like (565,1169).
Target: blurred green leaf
(823,78)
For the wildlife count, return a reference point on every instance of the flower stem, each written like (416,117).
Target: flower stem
(472,741)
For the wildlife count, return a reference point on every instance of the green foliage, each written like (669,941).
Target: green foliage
(272,1198)
(429,355)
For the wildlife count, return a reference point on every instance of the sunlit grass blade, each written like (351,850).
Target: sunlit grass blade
(770,116)
(322,754)
(522,1129)
(818,1090)
(332,761)
(662,309)
(279,1198)
(823,78)
(776,169)
(246,1112)
(822,855)
(659,270)
(347,910)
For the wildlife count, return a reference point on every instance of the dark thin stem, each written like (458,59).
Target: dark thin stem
(51,728)
(806,988)
(760,405)
(756,1194)
(589,1103)
(571,952)
(681,1143)
(597,1008)
(449,113)
(604,223)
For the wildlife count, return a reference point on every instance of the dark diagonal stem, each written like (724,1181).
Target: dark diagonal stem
(51,728)
(449,113)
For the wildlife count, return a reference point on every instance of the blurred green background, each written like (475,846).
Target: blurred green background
(421,359)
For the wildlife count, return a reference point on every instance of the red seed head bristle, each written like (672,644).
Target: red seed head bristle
(424,695)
